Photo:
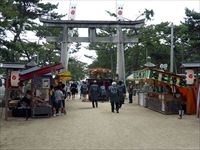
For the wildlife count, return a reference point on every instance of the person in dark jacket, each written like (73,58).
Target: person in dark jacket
(103,92)
(114,97)
(130,92)
(122,93)
(26,102)
(73,89)
(94,93)
(84,90)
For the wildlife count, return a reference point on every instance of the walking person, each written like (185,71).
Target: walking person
(58,98)
(122,93)
(103,92)
(63,99)
(130,92)
(68,91)
(84,91)
(114,97)
(94,93)
(74,89)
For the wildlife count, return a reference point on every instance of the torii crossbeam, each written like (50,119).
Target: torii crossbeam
(120,39)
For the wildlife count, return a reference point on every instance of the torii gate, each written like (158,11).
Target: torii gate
(120,39)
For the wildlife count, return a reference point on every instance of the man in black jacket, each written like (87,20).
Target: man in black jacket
(94,93)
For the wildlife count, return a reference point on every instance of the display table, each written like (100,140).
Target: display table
(21,112)
(12,104)
(164,103)
(142,99)
(41,111)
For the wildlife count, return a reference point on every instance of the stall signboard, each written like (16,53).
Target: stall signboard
(46,83)
(64,76)
(41,83)
(162,76)
(14,78)
(37,82)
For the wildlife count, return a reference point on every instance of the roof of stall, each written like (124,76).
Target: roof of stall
(36,72)
(12,65)
(190,65)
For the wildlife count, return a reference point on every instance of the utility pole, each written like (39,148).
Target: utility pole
(172,49)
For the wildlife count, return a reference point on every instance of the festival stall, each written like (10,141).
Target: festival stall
(12,90)
(163,91)
(102,76)
(193,82)
(40,81)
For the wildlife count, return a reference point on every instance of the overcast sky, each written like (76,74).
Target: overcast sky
(165,10)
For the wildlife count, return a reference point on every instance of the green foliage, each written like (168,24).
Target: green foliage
(18,18)
(154,41)
(78,69)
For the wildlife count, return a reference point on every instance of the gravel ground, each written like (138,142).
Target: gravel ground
(87,128)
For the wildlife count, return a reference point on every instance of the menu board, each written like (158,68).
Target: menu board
(41,82)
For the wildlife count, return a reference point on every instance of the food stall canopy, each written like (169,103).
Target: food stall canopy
(35,72)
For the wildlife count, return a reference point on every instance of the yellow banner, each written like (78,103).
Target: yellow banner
(65,74)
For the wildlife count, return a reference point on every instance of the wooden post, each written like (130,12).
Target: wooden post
(197,95)
(6,94)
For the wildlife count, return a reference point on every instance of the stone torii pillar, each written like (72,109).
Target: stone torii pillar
(64,50)
(120,70)
(119,39)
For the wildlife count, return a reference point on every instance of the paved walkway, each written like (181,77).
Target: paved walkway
(87,128)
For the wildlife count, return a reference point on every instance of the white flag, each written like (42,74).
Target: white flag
(120,13)
(72,12)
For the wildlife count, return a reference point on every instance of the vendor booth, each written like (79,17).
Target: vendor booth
(40,81)
(37,81)
(192,78)
(12,90)
(163,91)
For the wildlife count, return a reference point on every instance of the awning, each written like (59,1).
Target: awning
(40,71)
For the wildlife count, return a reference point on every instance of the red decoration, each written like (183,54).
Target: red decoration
(14,77)
(190,76)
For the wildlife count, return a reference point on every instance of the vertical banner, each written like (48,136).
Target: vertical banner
(14,78)
(198,102)
(72,12)
(120,13)
(189,76)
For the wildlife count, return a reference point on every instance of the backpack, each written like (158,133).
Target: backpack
(103,90)
(94,88)
(121,89)
(113,90)
(84,88)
